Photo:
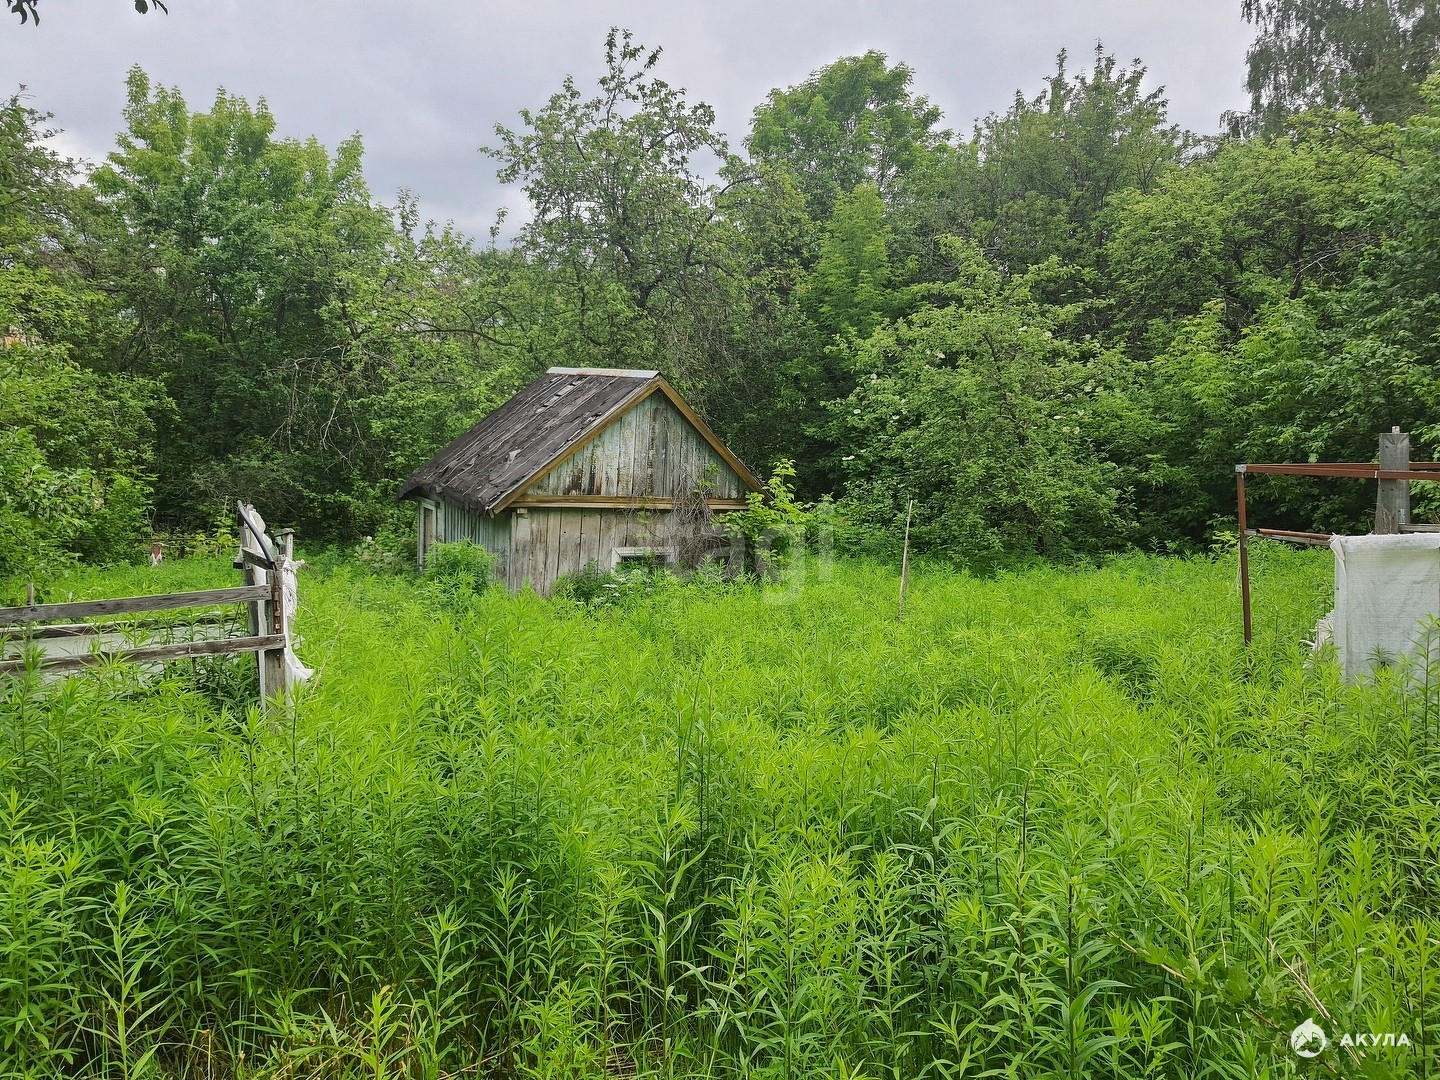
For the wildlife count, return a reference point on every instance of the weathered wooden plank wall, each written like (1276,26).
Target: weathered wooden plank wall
(550,542)
(493,534)
(650,451)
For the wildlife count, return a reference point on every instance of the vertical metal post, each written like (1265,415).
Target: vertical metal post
(1244,552)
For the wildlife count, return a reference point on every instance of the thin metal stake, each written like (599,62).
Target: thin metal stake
(905,563)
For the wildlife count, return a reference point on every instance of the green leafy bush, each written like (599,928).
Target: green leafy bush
(628,582)
(393,548)
(777,528)
(459,571)
(588,586)
(74,453)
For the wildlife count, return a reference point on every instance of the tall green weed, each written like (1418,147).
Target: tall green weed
(1057,823)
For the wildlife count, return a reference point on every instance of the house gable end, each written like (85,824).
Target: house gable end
(651,451)
(589,433)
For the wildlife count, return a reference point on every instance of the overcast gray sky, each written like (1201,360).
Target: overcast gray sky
(425,82)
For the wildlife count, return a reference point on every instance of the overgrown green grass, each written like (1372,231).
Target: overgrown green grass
(1058,823)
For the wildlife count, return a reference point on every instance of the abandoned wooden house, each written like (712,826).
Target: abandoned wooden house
(583,465)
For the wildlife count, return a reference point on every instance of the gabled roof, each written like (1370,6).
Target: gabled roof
(543,424)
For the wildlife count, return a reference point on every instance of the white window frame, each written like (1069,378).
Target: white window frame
(620,554)
(425,543)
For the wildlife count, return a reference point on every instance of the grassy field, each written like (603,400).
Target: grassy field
(1057,824)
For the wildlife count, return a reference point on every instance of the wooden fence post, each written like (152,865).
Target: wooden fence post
(266,616)
(1392,500)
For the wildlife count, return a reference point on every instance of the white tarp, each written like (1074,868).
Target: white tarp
(1385,588)
(290,595)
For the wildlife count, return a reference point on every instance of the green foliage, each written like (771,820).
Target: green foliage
(590,586)
(1036,182)
(978,408)
(41,510)
(624,217)
(1058,821)
(315,345)
(74,461)
(1253,224)
(854,122)
(75,453)
(1367,55)
(776,528)
(394,547)
(33,177)
(459,571)
(629,583)
(848,292)
(210,217)
(1381,321)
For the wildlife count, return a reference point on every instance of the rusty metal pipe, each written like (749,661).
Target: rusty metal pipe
(1244,553)
(1293,534)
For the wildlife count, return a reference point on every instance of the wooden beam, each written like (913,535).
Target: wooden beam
(616,502)
(1290,536)
(1415,466)
(1352,472)
(1392,500)
(44,632)
(124,605)
(180,650)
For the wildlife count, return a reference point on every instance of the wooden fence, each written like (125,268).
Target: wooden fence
(269,571)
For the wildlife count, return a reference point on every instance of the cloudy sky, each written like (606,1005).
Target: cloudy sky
(425,81)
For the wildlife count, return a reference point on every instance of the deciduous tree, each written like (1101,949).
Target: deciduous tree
(625,222)
(1367,55)
(856,121)
(1038,179)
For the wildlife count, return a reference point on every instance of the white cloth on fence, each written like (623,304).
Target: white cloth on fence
(1385,589)
(290,603)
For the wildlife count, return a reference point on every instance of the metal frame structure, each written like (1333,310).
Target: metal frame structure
(1351,470)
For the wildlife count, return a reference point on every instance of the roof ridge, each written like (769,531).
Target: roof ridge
(629,373)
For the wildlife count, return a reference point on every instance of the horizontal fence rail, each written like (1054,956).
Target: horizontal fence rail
(242,594)
(178,651)
(61,631)
(52,638)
